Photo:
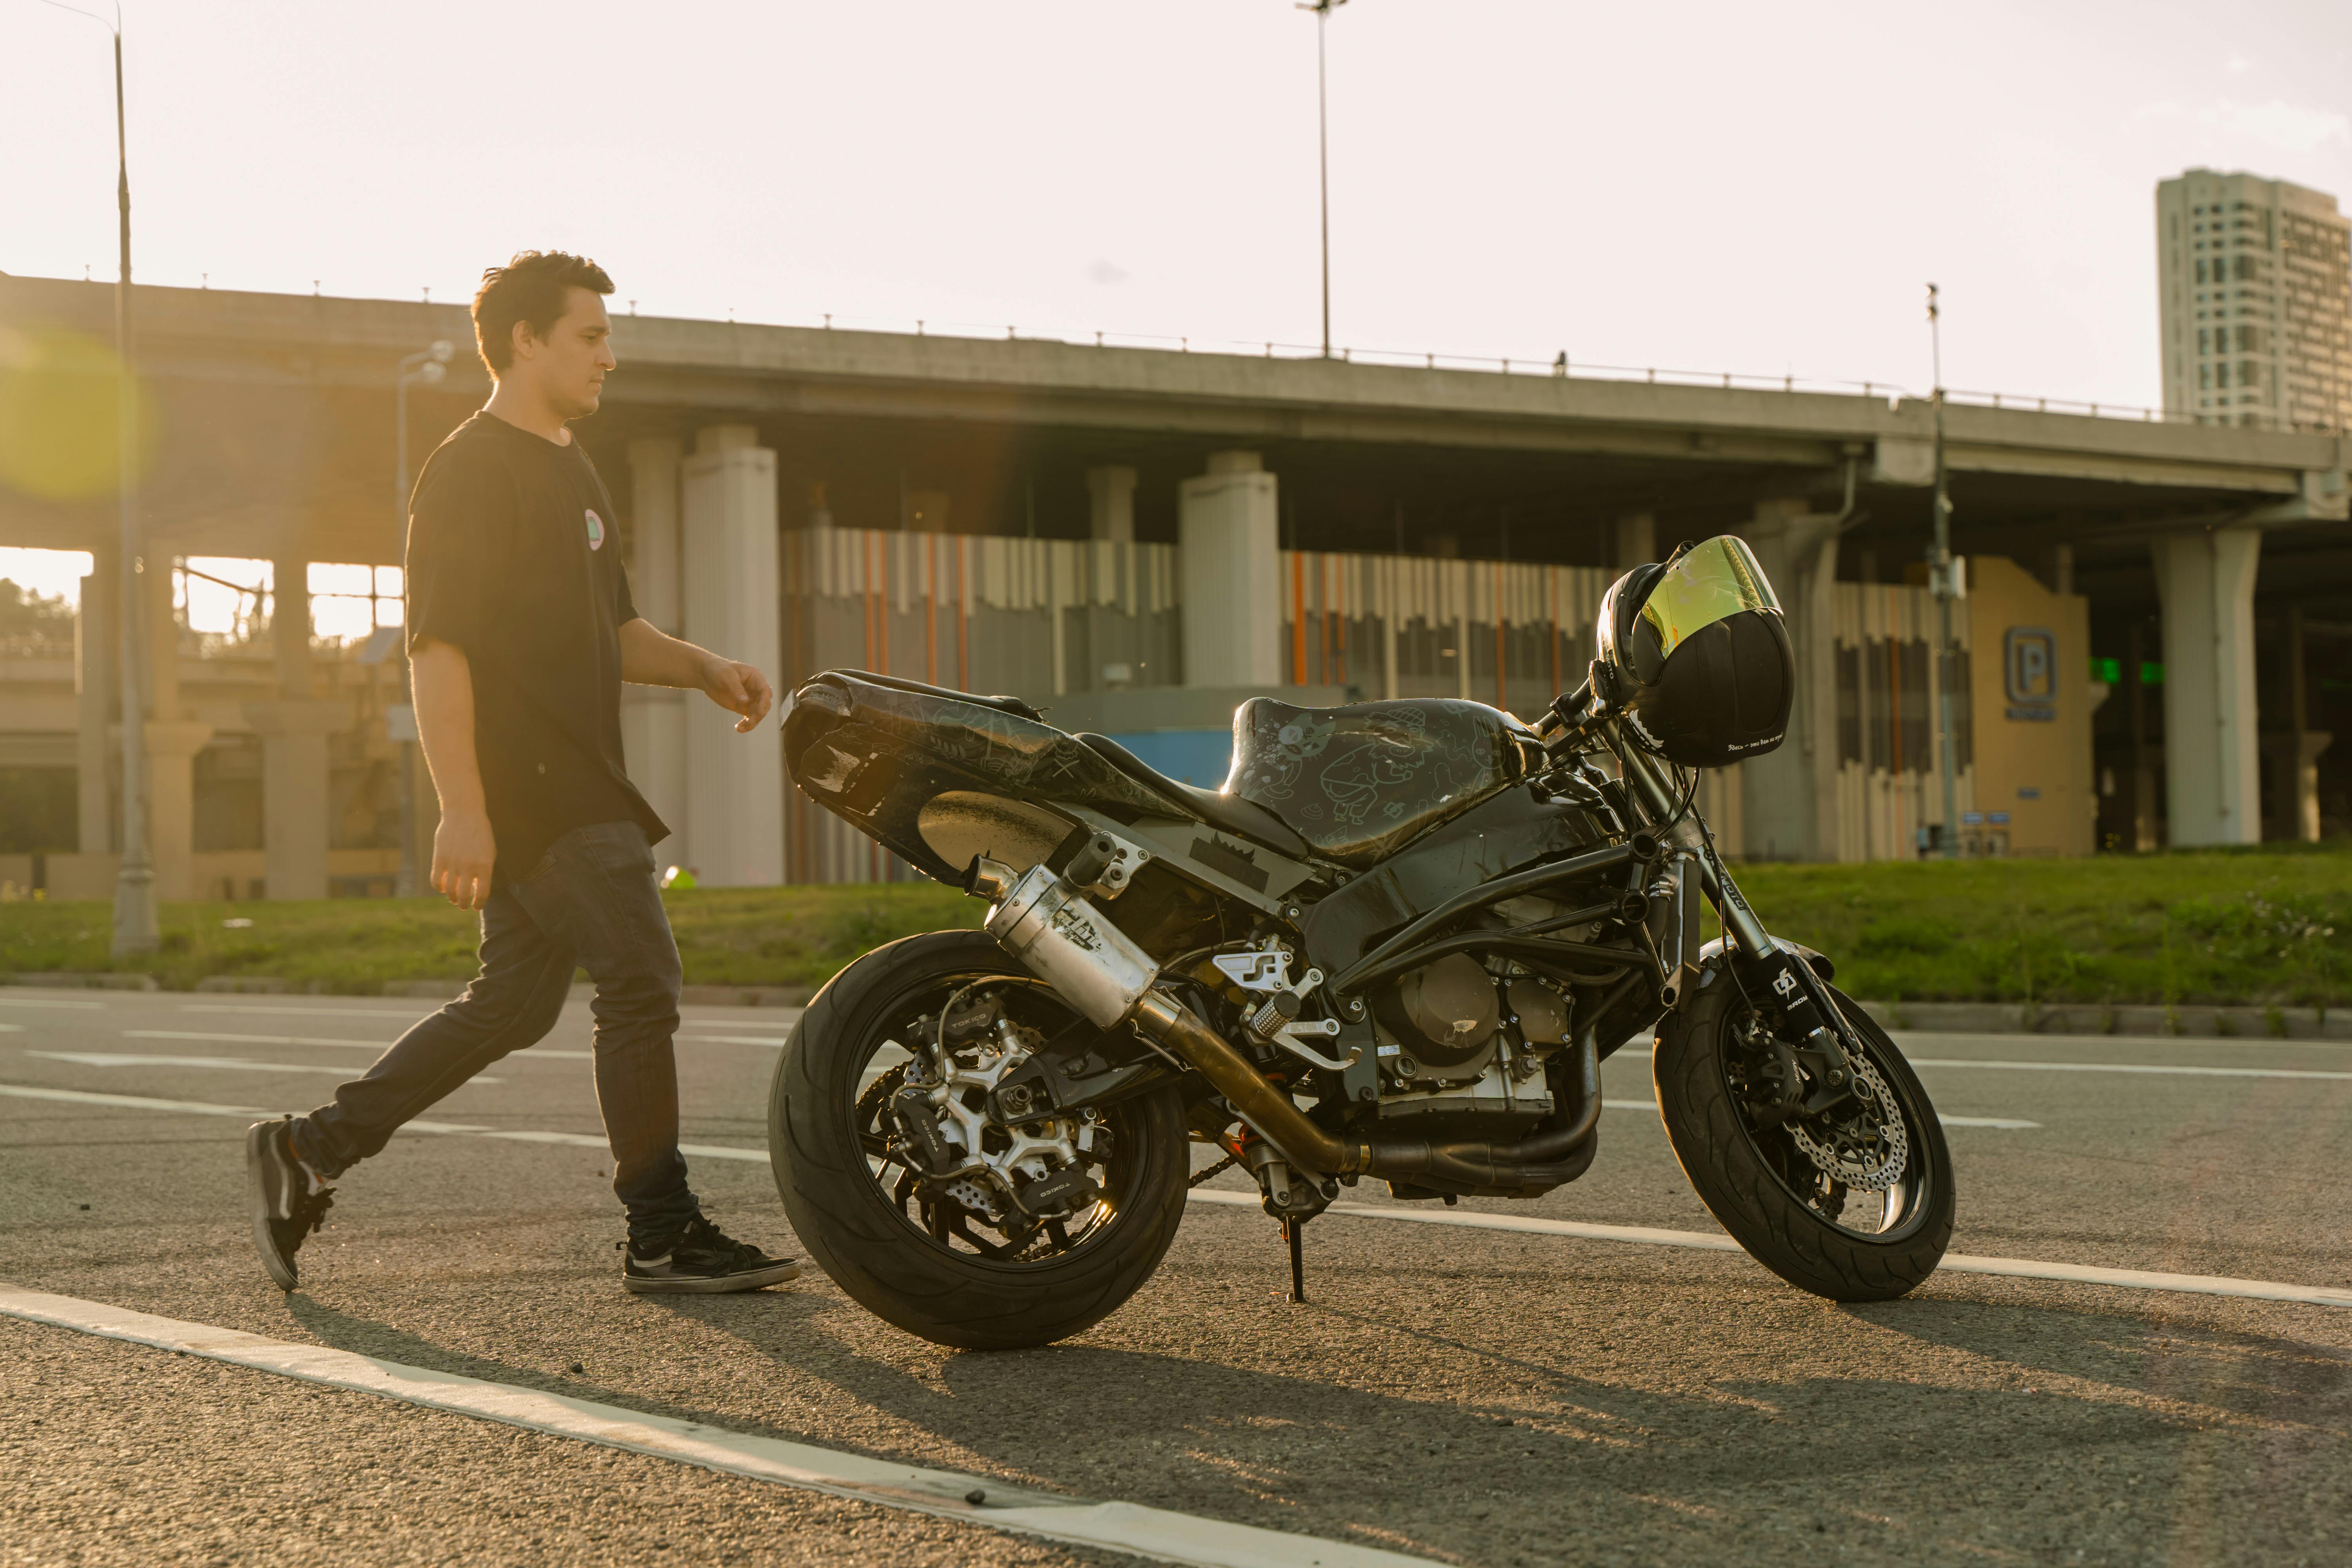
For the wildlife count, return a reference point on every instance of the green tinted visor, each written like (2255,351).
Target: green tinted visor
(1707,583)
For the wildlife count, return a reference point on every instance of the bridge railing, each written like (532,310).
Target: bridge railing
(1561,367)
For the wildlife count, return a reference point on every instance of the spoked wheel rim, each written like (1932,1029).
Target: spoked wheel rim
(1873,1138)
(982,1210)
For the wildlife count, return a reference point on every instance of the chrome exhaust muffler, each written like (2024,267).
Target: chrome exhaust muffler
(1041,919)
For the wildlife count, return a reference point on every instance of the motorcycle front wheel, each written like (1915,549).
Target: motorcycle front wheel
(974,1258)
(1854,1202)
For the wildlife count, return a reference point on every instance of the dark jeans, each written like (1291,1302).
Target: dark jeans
(589,902)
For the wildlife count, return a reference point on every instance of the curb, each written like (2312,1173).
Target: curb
(688,995)
(71,980)
(424,990)
(2081,1018)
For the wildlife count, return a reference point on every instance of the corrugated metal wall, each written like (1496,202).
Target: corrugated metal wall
(1035,618)
(1040,618)
(1501,632)
(1889,782)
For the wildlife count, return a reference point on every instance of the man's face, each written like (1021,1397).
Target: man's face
(570,364)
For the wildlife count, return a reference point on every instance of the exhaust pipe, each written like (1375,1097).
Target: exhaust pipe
(1065,940)
(1097,968)
(1042,921)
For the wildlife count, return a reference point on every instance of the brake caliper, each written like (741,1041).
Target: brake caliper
(1848,1126)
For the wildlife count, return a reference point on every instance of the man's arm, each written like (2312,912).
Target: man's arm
(463,847)
(650,657)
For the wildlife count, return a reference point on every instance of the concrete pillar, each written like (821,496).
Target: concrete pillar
(289,625)
(2295,753)
(98,649)
(1110,497)
(171,748)
(2145,756)
(1791,806)
(295,793)
(171,743)
(732,605)
(163,647)
(653,718)
(1636,540)
(294,796)
(1231,565)
(2211,766)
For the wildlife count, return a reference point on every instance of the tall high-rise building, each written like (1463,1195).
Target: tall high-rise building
(2256,286)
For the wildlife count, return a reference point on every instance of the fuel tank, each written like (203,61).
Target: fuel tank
(1360,782)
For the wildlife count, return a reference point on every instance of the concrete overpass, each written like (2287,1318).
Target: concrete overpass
(273,439)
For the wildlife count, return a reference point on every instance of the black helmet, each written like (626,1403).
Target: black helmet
(1695,653)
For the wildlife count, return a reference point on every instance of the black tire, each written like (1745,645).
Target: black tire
(873,1251)
(1754,1180)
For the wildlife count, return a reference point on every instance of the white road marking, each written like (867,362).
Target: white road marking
(411,1014)
(251,1113)
(12,1028)
(223,1064)
(1928,1039)
(2005,1122)
(252,1039)
(736,1040)
(2128,1068)
(47,1002)
(1152,1532)
(131,1101)
(377,1046)
(1956,1263)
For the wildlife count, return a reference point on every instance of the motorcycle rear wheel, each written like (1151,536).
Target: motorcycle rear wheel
(1776,1203)
(849,1198)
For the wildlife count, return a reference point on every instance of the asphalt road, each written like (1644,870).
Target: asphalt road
(1461,1394)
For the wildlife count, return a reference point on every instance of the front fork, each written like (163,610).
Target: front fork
(1776,980)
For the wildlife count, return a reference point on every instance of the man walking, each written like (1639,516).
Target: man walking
(521,632)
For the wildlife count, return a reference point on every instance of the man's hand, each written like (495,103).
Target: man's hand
(738,687)
(654,657)
(463,853)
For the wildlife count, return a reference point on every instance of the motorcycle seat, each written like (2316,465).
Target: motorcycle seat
(1225,813)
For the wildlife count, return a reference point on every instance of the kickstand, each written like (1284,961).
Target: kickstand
(1291,1230)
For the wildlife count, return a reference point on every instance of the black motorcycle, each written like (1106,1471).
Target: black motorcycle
(1396,945)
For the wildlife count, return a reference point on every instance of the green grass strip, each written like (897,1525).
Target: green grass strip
(2268,926)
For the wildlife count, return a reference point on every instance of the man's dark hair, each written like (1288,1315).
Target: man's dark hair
(530,288)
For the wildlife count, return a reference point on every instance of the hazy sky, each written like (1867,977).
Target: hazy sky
(1759,188)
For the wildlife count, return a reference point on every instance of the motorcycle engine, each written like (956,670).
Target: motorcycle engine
(1443,1019)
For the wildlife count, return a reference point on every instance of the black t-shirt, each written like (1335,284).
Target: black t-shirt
(512,557)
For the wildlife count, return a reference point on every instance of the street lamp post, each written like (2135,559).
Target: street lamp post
(135,929)
(1943,582)
(1323,9)
(429,366)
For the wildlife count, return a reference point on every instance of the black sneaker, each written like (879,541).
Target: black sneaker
(702,1261)
(286,1208)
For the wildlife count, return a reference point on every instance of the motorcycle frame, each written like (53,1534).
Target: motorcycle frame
(1673,839)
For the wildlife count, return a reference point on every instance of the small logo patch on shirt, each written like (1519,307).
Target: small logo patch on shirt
(596,530)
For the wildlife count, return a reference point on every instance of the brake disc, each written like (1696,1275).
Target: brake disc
(1868,1150)
(977,1197)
